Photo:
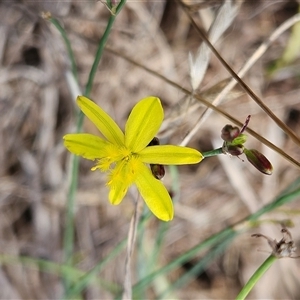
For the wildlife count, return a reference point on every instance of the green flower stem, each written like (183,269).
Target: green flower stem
(68,238)
(212,152)
(69,231)
(68,45)
(255,277)
(100,49)
(98,56)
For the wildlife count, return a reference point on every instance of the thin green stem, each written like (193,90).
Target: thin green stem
(98,56)
(199,267)
(100,49)
(68,45)
(69,231)
(211,241)
(255,277)
(68,238)
(69,226)
(213,152)
(120,6)
(68,241)
(90,276)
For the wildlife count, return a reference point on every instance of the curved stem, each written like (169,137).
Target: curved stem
(255,277)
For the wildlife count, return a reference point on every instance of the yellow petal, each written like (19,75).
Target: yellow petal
(102,120)
(155,194)
(121,177)
(170,155)
(117,193)
(143,123)
(86,145)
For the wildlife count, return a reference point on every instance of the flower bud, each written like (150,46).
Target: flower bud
(259,161)
(234,150)
(157,170)
(154,142)
(240,139)
(229,133)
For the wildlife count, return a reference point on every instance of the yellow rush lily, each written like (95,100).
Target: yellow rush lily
(125,156)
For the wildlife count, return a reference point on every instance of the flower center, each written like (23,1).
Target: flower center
(125,171)
(114,155)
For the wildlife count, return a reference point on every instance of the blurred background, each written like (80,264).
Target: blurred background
(37,107)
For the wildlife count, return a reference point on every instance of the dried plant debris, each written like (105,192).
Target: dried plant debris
(37,107)
(284,248)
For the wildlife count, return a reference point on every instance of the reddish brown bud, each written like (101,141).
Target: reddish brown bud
(259,161)
(157,170)
(229,133)
(154,142)
(234,150)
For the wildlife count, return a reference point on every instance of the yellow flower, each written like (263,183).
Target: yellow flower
(125,156)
